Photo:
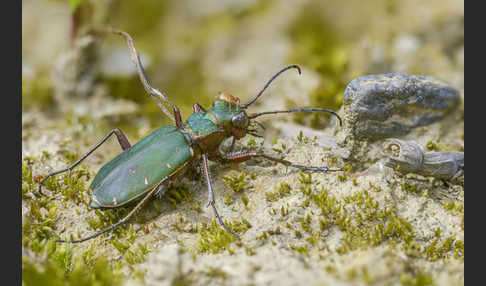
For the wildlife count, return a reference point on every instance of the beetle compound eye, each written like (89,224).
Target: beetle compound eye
(240,120)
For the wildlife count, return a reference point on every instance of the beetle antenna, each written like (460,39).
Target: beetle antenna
(254,115)
(268,83)
(256,135)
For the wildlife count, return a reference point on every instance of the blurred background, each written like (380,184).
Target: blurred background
(194,49)
(76,87)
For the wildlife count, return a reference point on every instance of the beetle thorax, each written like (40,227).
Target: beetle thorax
(226,118)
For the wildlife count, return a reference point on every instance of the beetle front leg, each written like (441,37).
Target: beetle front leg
(211,200)
(122,139)
(232,145)
(155,93)
(241,157)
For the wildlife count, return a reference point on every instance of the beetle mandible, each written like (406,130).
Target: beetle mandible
(145,169)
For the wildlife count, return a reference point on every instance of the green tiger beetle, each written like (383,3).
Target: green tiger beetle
(144,170)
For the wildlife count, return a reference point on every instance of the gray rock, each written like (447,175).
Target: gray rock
(409,157)
(390,105)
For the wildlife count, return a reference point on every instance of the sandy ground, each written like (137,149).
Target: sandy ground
(286,243)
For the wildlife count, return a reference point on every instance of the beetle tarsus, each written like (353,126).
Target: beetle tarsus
(220,220)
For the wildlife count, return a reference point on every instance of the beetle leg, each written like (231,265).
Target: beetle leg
(241,157)
(122,139)
(128,216)
(178,118)
(216,156)
(211,200)
(232,145)
(198,108)
(160,191)
(156,94)
(194,173)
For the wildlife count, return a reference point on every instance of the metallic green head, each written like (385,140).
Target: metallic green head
(230,115)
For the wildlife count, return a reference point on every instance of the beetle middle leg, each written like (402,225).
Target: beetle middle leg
(211,200)
(122,139)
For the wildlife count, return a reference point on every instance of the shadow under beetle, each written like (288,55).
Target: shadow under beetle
(145,169)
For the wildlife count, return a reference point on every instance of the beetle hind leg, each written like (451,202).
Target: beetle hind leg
(122,140)
(160,191)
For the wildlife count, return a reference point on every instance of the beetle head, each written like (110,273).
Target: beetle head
(231,115)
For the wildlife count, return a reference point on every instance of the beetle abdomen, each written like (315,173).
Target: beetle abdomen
(138,169)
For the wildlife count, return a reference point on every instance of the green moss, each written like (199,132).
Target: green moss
(282,191)
(418,279)
(342,177)
(241,226)
(306,224)
(236,182)
(136,255)
(284,211)
(74,186)
(251,143)
(410,188)
(29,185)
(453,207)
(277,150)
(37,92)
(275,231)
(197,208)
(432,146)
(214,239)
(178,195)
(304,250)
(227,200)
(368,224)
(306,180)
(250,251)
(64,269)
(437,146)
(216,273)
(374,187)
(244,199)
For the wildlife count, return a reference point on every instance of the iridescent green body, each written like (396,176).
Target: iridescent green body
(144,169)
(165,154)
